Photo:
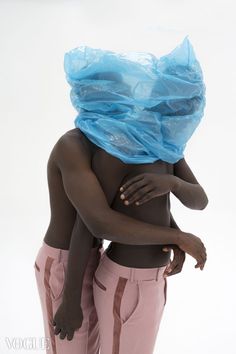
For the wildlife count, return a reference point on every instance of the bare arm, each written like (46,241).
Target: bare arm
(79,251)
(186,187)
(173,225)
(69,314)
(85,193)
(177,263)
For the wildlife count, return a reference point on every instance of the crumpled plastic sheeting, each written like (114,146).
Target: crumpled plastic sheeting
(135,106)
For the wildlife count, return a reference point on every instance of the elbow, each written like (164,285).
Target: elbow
(202,200)
(103,232)
(98,230)
(99,222)
(204,203)
(95,227)
(101,229)
(97,233)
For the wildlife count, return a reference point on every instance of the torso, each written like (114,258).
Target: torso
(111,173)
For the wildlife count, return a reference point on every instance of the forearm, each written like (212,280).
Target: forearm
(192,195)
(121,228)
(173,225)
(80,247)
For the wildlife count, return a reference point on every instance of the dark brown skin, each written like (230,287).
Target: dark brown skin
(84,184)
(156,211)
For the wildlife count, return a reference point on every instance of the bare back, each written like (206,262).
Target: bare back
(111,173)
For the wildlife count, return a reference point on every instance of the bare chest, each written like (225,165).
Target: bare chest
(112,172)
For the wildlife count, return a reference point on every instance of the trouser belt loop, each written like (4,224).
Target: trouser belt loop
(157,274)
(132,274)
(60,256)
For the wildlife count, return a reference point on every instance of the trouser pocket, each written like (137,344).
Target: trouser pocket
(56,280)
(126,300)
(36,266)
(98,283)
(50,274)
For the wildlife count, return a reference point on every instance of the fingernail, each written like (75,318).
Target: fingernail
(122,196)
(126,202)
(137,203)
(121,189)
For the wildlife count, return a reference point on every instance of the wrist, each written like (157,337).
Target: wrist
(180,237)
(71,296)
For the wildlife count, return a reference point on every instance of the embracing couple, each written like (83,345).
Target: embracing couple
(111,301)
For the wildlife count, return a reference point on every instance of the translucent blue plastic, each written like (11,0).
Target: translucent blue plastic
(135,106)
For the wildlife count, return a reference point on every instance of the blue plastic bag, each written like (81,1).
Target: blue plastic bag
(135,106)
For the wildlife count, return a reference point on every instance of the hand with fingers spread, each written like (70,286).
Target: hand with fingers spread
(68,318)
(176,265)
(145,187)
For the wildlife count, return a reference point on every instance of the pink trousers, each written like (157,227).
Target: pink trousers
(50,267)
(129,304)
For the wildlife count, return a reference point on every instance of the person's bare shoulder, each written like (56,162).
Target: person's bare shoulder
(74,131)
(71,149)
(71,135)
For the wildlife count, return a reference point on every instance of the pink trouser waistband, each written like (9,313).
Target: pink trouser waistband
(62,255)
(133,274)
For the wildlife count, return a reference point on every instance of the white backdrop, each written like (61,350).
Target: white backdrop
(36,110)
